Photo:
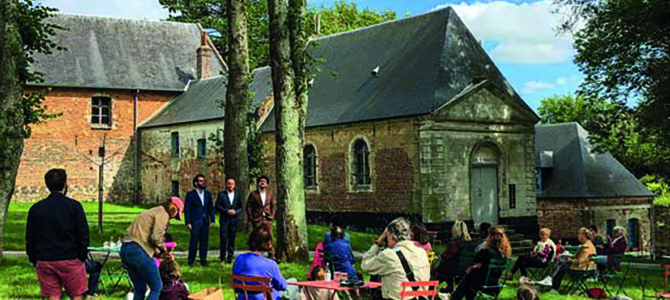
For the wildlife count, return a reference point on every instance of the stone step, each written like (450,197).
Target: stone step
(521,250)
(516,237)
(521,243)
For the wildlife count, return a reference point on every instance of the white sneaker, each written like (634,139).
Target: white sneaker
(444,296)
(546,281)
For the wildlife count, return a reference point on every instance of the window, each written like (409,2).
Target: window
(309,156)
(538,178)
(175,144)
(202,148)
(609,227)
(175,188)
(361,165)
(101,113)
(634,234)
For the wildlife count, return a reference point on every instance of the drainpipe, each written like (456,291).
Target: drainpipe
(136,160)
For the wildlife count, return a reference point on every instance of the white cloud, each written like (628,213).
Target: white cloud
(522,33)
(533,86)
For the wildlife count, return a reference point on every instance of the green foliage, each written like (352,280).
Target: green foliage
(212,14)
(36,35)
(658,186)
(624,51)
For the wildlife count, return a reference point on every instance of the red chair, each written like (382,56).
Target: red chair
(665,294)
(414,289)
(255,284)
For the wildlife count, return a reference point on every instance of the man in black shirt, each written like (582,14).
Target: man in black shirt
(57,240)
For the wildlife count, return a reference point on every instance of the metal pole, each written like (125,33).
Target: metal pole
(101,169)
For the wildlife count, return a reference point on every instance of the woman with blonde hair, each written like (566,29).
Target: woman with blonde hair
(496,247)
(450,268)
(579,262)
(543,253)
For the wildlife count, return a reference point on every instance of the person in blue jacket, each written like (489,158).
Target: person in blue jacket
(254,263)
(199,216)
(340,254)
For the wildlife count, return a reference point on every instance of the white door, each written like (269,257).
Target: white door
(484,195)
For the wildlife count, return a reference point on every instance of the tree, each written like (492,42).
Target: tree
(624,51)
(211,14)
(291,222)
(23,32)
(237,112)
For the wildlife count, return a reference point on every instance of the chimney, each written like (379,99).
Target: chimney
(204,57)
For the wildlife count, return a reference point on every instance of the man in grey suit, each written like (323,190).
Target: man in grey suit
(229,206)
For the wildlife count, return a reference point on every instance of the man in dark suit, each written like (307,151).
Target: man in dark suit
(261,204)
(199,216)
(229,206)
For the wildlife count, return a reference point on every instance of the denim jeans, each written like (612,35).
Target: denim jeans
(142,271)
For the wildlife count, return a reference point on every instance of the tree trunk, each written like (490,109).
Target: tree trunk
(11,114)
(236,124)
(291,223)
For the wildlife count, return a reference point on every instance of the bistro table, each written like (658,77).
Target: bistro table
(114,275)
(335,286)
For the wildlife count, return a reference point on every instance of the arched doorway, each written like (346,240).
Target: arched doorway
(484,183)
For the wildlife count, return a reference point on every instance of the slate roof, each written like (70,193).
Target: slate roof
(200,101)
(579,173)
(424,62)
(123,54)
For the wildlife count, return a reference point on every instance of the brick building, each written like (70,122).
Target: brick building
(409,117)
(114,74)
(577,188)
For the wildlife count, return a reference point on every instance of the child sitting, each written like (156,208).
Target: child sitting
(173,287)
(310,293)
(170,244)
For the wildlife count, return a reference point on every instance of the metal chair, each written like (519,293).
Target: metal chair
(488,291)
(665,294)
(253,284)
(419,289)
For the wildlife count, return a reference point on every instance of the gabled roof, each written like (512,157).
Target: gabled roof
(423,61)
(202,98)
(123,54)
(579,173)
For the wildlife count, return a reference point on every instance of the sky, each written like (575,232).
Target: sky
(519,35)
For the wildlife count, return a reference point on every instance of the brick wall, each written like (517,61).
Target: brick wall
(662,218)
(565,216)
(159,167)
(393,165)
(70,142)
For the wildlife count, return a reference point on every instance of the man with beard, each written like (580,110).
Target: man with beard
(199,215)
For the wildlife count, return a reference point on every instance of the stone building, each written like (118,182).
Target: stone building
(114,74)
(409,117)
(578,188)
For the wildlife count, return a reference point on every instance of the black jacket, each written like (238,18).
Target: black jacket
(56,230)
(223,205)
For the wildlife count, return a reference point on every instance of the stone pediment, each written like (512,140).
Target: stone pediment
(485,102)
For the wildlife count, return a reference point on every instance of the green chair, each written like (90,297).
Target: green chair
(616,275)
(487,291)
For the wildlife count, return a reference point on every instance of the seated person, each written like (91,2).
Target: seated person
(483,235)
(340,254)
(420,237)
(540,257)
(598,240)
(451,266)
(335,221)
(387,262)
(173,287)
(580,262)
(254,263)
(311,293)
(497,247)
(618,246)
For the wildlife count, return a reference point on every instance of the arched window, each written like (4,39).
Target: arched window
(634,233)
(309,156)
(361,165)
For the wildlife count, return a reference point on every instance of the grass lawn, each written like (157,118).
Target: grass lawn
(18,280)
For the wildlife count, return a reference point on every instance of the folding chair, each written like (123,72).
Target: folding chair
(665,294)
(578,278)
(418,289)
(617,275)
(538,274)
(492,291)
(253,284)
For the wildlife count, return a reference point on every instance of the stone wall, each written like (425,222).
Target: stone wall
(393,165)
(661,230)
(447,142)
(565,216)
(159,167)
(71,142)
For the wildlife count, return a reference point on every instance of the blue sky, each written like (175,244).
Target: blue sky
(518,35)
